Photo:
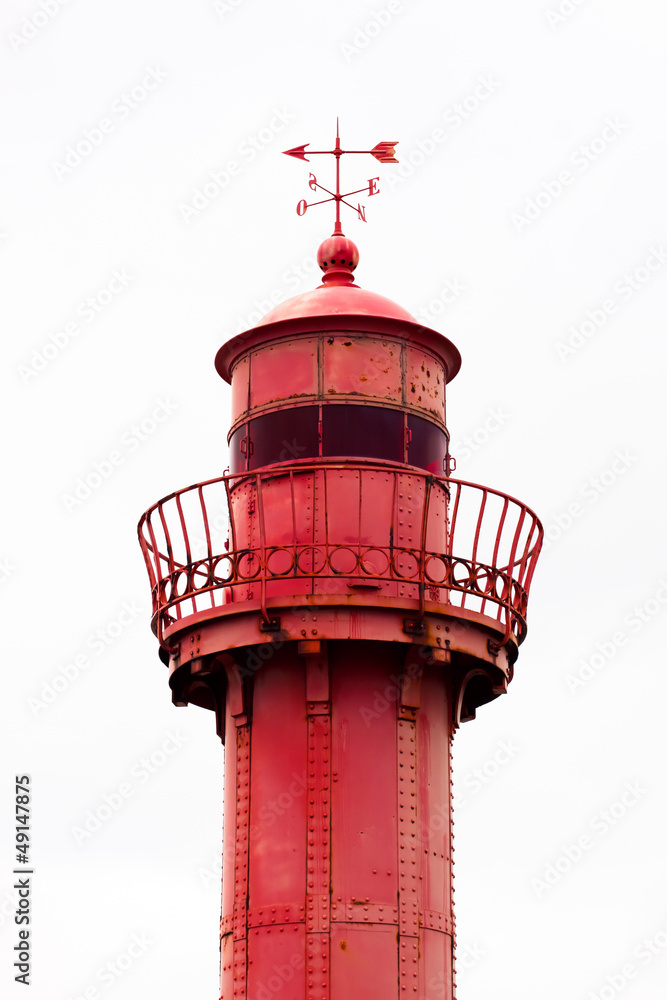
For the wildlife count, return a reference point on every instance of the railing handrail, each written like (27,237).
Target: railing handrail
(164,567)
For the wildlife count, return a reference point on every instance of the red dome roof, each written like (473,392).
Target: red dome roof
(320,308)
(337,300)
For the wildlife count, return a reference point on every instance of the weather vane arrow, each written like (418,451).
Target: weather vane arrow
(385,152)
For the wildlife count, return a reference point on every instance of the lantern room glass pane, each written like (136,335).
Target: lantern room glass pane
(356,431)
(283,436)
(428,446)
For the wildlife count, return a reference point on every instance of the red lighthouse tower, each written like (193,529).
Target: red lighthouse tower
(342,604)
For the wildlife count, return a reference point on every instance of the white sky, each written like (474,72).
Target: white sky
(580,99)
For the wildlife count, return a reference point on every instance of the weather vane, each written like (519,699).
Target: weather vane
(384,152)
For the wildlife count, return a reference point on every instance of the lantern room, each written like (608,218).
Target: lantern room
(307,386)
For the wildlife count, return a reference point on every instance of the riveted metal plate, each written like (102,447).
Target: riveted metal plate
(264,916)
(241,861)
(363,912)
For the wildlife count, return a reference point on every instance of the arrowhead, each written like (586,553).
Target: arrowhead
(385,152)
(298,151)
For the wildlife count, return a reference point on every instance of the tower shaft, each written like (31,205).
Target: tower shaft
(337,847)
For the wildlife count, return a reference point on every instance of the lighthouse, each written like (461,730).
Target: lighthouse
(341,604)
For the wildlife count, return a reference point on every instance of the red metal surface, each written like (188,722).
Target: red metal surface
(342,605)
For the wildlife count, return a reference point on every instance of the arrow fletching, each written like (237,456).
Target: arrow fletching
(385,152)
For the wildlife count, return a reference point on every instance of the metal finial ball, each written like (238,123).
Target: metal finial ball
(338,252)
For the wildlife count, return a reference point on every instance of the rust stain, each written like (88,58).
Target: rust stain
(343,945)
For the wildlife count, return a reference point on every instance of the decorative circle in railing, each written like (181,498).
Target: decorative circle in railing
(343,560)
(280,561)
(311,560)
(223,569)
(406,564)
(436,570)
(375,562)
(248,565)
